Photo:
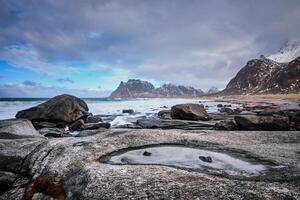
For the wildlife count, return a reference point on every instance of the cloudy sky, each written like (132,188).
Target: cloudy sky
(87,47)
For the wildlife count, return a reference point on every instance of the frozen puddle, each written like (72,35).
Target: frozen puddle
(191,158)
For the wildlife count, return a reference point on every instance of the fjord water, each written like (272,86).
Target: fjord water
(102,106)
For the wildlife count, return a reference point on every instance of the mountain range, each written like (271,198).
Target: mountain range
(135,88)
(277,73)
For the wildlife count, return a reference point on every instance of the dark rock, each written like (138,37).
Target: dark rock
(54,132)
(75,126)
(271,123)
(6,180)
(64,108)
(220,105)
(93,119)
(259,106)
(189,112)
(17,128)
(96,125)
(229,111)
(227,125)
(39,125)
(146,153)
(227,105)
(206,159)
(164,114)
(13,152)
(129,111)
(174,124)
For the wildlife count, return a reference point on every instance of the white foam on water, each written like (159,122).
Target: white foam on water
(142,107)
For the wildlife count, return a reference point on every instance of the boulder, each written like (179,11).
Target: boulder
(220,105)
(229,111)
(65,108)
(89,126)
(17,128)
(270,123)
(129,111)
(227,125)
(75,126)
(189,112)
(164,114)
(93,119)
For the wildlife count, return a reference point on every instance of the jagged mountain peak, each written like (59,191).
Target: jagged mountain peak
(138,88)
(289,52)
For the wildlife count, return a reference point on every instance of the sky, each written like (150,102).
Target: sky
(86,48)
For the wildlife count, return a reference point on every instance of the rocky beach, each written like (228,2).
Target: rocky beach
(244,150)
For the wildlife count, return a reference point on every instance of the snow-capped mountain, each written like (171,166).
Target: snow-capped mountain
(263,75)
(212,90)
(289,52)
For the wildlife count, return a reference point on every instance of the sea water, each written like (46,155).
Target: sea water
(143,107)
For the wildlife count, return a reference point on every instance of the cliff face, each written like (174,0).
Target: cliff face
(264,75)
(135,88)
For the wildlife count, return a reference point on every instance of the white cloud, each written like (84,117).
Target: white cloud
(39,90)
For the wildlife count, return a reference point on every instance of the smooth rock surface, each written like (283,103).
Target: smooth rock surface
(76,162)
(16,129)
(65,108)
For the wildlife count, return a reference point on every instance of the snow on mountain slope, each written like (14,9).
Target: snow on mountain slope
(289,52)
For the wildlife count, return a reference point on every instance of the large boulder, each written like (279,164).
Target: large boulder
(189,112)
(17,128)
(270,123)
(64,107)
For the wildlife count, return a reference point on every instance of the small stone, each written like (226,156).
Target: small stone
(146,153)
(93,119)
(207,159)
(220,105)
(75,126)
(129,111)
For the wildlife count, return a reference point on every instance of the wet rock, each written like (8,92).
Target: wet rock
(174,124)
(65,108)
(271,123)
(75,126)
(220,105)
(6,180)
(227,110)
(227,125)
(129,111)
(39,125)
(189,112)
(54,132)
(95,125)
(147,153)
(16,129)
(207,159)
(93,119)
(164,114)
